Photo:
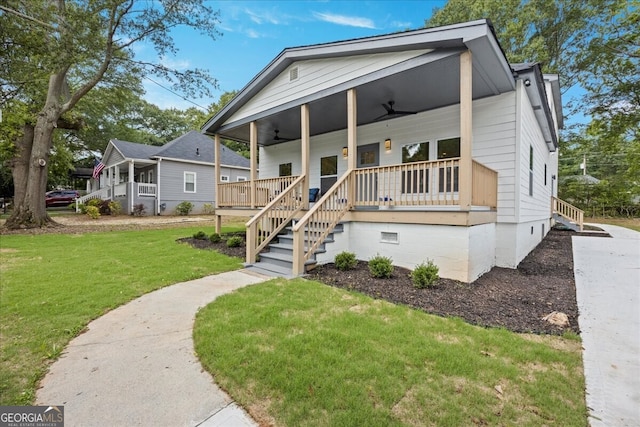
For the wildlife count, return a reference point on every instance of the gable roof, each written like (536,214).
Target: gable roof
(193,147)
(421,82)
(418,70)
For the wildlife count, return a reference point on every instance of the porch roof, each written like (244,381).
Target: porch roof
(427,81)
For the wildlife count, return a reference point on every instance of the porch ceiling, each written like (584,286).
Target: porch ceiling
(432,83)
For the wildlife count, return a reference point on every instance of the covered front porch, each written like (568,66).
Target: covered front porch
(130,183)
(449,191)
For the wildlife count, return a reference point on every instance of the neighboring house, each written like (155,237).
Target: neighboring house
(162,177)
(426,145)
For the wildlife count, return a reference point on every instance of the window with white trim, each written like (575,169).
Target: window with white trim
(141,178)
(189,182)
(150,177)
(531,170)
(224,178)
(241,178)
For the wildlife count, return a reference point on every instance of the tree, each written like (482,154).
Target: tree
(58,51)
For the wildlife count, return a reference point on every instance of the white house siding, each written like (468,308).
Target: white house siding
(518,237)
(466,255)
(172,182)
(316,75)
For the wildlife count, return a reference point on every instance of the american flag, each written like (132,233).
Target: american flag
(97,168)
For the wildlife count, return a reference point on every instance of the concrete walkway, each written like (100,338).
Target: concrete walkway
(607,273)
(136,365)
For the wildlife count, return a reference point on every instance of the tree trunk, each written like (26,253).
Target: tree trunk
(30,177)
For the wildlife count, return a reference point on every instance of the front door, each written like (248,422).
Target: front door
(367,184)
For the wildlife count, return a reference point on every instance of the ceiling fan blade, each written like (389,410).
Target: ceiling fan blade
(405,112)
(389,108)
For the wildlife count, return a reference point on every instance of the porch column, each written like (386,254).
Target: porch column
(352,141)
(253,150)
(466,133)
(216,179)
(304,129)
(131,183)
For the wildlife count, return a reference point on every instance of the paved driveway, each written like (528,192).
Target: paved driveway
(607,273)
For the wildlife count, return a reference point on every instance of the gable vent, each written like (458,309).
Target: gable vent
(293,74)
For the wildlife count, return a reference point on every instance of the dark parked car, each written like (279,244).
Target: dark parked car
(61,197)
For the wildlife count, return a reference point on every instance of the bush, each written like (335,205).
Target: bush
(93,212)
(138,209)
(380,267)
(215,238)
(184,208)
(104,207)
(235,242)
(200,235)
(208,209)
(115,207)
(94,202)
(82,208)
(345,261)
(425,275)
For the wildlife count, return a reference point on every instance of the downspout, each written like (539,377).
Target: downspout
(158,188)
(131,183)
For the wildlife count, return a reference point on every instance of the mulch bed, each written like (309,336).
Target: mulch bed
(514,299)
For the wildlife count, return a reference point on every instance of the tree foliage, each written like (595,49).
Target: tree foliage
(56,52)
(593,44)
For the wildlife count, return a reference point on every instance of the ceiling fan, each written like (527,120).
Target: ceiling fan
(391,112)
(277,138)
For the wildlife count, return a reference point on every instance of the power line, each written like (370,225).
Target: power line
(177,94)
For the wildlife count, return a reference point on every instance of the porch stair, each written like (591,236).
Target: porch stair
(572,225)
(278,260)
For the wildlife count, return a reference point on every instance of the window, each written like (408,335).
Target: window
(531,170)
(545,174)
(224,178)
(241,178)
(150,177)
(447,149)
(284,169)
(189,182)
(328,172)
(415,181)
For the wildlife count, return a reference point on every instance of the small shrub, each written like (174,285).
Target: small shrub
(235,242)
(93,212)
(345,261)
(425,275)
(200,235)
(380,267)
(208,209)
(138,209)
(184,208)
(115,207)
(215,238)
(104,207)
(82,208)
(94,202)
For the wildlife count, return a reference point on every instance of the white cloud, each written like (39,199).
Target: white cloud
(350,21)
(251,33)
(399,24)
(263,17)
(175,64)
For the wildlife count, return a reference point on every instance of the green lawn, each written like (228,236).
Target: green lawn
(53,285)
(300,353)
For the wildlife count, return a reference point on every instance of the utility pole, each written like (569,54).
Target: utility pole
(583,166)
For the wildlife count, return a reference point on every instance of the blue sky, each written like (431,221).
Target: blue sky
(255,32)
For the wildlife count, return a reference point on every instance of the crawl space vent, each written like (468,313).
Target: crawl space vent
(293,74)
(388,237)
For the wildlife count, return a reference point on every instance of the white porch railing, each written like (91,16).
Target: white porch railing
(147,190)
(238,194)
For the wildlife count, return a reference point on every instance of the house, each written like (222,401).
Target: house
(161,177)
(425,145)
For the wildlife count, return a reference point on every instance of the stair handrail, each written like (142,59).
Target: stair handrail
(324,216)
(102,193)
(281,210)
(568,211)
